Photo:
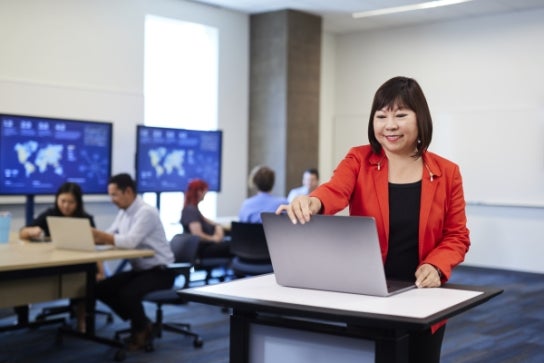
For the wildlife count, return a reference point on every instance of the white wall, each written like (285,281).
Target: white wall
(84,60)
(483,79)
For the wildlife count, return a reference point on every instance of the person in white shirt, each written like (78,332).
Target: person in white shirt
(136,226)
(310,181)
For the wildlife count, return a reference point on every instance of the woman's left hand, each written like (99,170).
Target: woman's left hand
(427,276)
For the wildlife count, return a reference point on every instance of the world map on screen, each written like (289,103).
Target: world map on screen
(167,162)
(33,158)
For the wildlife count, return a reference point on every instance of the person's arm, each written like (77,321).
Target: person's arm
(36,228)
(454,240)
(106,237)
(103,238)
(195,228)
(332,196)
(143,224)
(31,232)
(301,208)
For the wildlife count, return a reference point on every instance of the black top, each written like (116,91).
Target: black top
(191,214)
(403,256)
(41,220)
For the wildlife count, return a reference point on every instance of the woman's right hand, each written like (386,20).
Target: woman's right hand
(32,232)
(301,208)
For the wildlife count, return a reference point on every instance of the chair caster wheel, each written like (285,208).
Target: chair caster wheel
(198,343)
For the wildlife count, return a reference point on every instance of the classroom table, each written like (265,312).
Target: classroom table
(35,272)
(273,323)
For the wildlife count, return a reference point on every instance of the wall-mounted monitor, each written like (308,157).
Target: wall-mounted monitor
(38,154)
(168,158)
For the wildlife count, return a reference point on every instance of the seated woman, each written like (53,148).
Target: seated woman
(68,203)
(212,236)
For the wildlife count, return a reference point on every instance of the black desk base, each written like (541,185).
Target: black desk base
(389,345)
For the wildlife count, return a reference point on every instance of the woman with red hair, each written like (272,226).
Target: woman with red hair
(211,234)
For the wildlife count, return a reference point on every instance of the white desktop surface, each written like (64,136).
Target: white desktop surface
(415,303)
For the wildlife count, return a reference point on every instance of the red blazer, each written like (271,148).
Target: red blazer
(361,181)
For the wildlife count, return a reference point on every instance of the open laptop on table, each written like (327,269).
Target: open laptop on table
(334,253)
(73,234)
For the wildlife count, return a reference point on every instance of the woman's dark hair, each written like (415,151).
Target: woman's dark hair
(75,190)
(193,189)
(403,92)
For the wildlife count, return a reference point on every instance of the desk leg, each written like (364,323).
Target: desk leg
(239,338)
(22,314)
(90,302)
(395,349)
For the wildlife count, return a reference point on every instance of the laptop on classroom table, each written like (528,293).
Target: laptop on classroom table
(73,234)
(334,253)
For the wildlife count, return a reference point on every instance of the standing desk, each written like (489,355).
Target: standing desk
(36,272)
(272,323)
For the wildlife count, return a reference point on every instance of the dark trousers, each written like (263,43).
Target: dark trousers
(207,249)
(425,347)
(124,291)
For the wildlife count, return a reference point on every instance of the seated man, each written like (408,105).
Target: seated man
(137,225)
(262,179)
(310,181)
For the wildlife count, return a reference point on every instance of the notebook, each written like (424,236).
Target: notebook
(73,234)
(334,253)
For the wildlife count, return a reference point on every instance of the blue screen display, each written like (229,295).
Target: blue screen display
(168,159)
(38,154)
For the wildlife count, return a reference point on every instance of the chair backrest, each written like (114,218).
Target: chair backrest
(184,246)
(249,242)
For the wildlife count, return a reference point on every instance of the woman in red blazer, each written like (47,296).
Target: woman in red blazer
(415,196)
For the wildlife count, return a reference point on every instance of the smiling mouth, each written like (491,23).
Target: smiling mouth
(392,137)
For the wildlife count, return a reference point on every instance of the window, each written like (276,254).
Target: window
(180,90)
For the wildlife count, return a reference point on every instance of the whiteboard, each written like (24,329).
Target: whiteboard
(500,152)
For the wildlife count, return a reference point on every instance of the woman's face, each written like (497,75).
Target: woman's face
(67,204)
(202,194)
(396,130)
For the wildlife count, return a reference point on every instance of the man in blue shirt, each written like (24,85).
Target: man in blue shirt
(261,178)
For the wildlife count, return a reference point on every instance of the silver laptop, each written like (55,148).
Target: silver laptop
(73,234)
(334,253)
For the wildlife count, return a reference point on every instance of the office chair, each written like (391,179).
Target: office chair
(249,248)
(184,247)
(211,264)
